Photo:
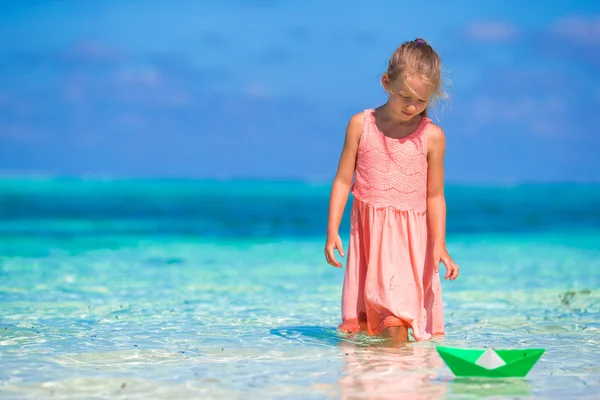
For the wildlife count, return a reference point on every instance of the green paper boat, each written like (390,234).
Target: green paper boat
(489,363)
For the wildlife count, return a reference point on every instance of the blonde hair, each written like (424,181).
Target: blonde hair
(417,57)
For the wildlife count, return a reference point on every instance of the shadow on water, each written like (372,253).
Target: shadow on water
(308,334)
(375,368)
(325,335)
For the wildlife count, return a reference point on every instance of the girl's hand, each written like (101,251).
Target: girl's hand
(333,242)
(440,254)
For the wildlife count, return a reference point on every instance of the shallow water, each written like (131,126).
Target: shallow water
(108,304)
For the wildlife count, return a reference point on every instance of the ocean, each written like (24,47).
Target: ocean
(176,289)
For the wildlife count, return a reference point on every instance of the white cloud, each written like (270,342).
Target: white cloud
(132,121)
(142,75)
(16,132)
(89,140)
(579,29)
(542,116)
(92,51)
(255,90)
(129,83)
(491,31)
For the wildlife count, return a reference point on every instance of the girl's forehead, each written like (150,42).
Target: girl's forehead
(417,86)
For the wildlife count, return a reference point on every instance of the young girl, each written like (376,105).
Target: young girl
(397,236)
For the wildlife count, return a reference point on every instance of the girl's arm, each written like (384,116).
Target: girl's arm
(436,201)
(340,188)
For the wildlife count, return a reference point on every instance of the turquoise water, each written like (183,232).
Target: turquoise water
(185,289)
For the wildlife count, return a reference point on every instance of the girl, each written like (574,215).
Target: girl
(397,235)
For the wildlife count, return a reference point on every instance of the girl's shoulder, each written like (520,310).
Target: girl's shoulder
(356,125)
(354,130)
(436,139)
(434,130)
(358,119)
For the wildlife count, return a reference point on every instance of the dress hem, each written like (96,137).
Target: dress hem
(356,326)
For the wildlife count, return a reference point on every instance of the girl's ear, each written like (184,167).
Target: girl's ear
(385,82)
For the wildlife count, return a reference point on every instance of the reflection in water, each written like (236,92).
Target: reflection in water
(376,368)
(385,371)
(482,387)
(413,371)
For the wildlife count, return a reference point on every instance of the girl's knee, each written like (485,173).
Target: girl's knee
(398,333)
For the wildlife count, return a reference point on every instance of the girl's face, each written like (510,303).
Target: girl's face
(405,102)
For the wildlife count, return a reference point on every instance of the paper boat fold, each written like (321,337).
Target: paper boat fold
(490,362)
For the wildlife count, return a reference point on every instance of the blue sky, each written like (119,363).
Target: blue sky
(264,88)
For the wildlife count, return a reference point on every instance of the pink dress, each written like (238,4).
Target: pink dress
(389,278)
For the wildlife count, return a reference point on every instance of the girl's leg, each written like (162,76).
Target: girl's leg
(396,333)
